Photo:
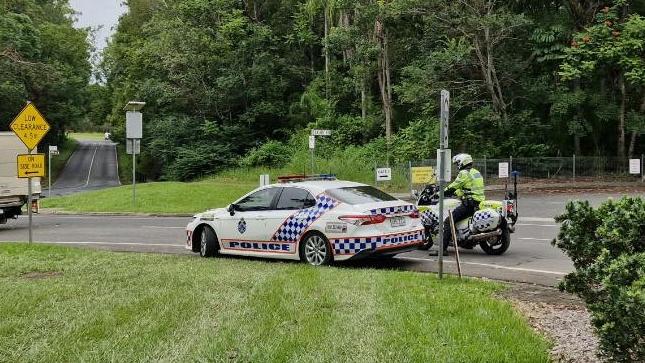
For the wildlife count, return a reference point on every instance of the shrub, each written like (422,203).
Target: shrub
(272,154)
(607,247)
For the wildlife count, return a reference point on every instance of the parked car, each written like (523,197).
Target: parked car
(314,219)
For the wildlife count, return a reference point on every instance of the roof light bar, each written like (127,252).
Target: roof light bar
(302,177)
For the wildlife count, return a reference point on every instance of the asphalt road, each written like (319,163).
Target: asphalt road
(531,258)
(92,166)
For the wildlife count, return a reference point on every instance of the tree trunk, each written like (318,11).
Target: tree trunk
(326,49)
(635,133)
(384,77)
(621,116)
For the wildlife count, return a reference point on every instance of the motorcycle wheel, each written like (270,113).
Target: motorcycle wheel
(500,246)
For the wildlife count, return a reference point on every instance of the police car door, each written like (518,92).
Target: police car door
(292,201)
(248,223)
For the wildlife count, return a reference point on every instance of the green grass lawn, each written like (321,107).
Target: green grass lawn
(66,304)
(158,198)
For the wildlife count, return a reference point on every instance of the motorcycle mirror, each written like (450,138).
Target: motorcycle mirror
(415,193)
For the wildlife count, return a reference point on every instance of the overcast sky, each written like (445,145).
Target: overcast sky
(99,12)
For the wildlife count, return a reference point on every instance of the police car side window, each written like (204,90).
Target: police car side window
(293,198)
(260,200)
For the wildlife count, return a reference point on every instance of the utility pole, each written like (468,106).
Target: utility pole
(134,134)
(443,158)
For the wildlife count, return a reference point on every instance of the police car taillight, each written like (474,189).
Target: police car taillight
(363,220)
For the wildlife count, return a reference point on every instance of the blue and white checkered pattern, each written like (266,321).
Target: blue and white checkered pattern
(293,227)
(486,220)
(429,218)
(348,246)
(390,211)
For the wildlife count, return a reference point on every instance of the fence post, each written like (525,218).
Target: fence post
(410,174)
(574,168)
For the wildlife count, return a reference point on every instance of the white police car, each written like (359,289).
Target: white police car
(314,219)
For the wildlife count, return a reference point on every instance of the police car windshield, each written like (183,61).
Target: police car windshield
(360,195)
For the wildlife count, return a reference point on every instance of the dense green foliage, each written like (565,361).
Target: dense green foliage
(607,247)
(43,59)
(222,77)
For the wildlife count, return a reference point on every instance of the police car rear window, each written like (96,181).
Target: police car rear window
(360,195)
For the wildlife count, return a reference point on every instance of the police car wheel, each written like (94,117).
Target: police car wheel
(315,250)
(208,242)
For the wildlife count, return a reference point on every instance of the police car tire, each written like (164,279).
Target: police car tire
(498,249)
(207,242)
(303,245)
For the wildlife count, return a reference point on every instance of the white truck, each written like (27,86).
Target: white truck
(13,191)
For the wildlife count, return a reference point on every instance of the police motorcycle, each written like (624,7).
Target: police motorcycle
(490,227)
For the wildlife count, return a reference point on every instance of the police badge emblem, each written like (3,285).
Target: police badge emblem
(241,226)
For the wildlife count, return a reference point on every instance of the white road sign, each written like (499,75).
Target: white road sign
(133,125)
(320,132)
(129,146)
(503,170)
(383,174)
(53,150)
(635,166)
(312,142)
(444,156)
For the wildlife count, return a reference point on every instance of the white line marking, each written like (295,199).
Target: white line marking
(537,225)
(108,243)
(536,219)
(489,265)
(91,164)
(537,239)
(63,216)
(162,227)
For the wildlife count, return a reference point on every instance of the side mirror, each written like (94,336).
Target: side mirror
(231,209)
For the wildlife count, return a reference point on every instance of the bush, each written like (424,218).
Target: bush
(607,247)
(271,154)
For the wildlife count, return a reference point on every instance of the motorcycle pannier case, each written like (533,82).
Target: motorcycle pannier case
(486,220)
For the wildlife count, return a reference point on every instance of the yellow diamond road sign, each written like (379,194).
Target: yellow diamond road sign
(30,126)
(31,165)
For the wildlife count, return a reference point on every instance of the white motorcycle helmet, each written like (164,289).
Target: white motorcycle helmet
(462,160)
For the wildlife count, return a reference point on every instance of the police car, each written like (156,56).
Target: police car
(314,219)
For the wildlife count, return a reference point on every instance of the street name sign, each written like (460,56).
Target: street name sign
(30,126)
(320,132)
(31,165)
(383,174)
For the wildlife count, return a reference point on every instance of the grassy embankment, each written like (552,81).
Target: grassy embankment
(65,304)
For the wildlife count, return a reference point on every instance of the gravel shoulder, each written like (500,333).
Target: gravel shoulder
(561,317)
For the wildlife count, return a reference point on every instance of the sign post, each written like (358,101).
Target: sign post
(441,160)
(30,126)
(53,150)
(312,144)
(134,134)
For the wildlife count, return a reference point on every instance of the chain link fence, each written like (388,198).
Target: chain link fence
(538,170)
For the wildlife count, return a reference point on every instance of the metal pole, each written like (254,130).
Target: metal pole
(312,162)
(49,174)
(574,168)
(443,145)
(410,174)
(29,201)
(442,168)
(134,174)
(485,164)
(642,172)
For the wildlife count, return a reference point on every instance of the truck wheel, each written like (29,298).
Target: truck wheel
(208,242)
(499,246)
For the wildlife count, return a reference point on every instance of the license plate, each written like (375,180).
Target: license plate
(397,221)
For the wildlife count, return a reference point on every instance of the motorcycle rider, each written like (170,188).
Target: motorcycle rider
(469,187)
